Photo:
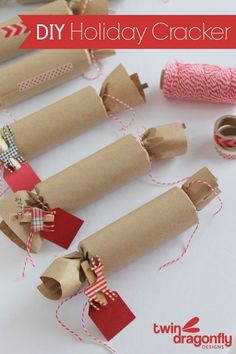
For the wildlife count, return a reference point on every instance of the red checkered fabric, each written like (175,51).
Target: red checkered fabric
(37,223)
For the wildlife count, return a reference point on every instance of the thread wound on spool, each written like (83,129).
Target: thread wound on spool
(200,82)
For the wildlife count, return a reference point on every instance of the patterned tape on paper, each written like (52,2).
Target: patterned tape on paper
(45,77)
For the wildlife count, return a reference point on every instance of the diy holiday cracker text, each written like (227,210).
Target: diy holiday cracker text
(160,31)
(129,31)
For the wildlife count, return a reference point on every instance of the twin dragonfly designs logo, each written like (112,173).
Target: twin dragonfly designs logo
(190,334)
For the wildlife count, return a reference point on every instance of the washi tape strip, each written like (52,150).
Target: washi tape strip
(225,136)
(45,77)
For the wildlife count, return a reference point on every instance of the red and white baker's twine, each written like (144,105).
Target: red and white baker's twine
(97,64)
(98,67)
(37,224)
(85,6)
(99,286)
(200,82)
(28,257)
(186,248)
(76,334)
(158,183)
(124,126)
(151,176)
(91,336)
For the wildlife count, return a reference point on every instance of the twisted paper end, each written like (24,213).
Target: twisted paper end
(124,88)
(64,277)
(165,141)
(201,194)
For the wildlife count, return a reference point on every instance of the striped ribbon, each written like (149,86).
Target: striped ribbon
(100,286)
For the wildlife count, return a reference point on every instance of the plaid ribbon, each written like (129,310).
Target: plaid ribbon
(37,223)
(100,286)
(11,152)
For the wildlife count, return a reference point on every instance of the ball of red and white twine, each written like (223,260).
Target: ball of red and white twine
(199,82)
(225,137)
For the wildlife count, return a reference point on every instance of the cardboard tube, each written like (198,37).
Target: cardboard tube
(67,118)
(40,72)
(98,174)
(79,185)
(127,239)
(85,181)
(58,122)
(141,231)
(9,47)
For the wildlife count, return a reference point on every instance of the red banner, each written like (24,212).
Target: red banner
(130,31)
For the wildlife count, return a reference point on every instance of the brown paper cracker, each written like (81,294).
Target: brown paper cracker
(136,234)
(58,122)
(42,71)
(96,175)
(128,239)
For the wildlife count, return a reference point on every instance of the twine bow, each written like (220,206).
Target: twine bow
(40,220)
(9,156)
(100,286)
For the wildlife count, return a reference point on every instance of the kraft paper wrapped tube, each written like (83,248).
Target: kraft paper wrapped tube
(129,238)
(73,115)
(42,71)
(9,47)
(89,179)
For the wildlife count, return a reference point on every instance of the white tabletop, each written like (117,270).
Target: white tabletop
(203,284)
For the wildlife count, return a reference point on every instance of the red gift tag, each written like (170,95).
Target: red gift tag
(22,179)
(66,227)
(112,318)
